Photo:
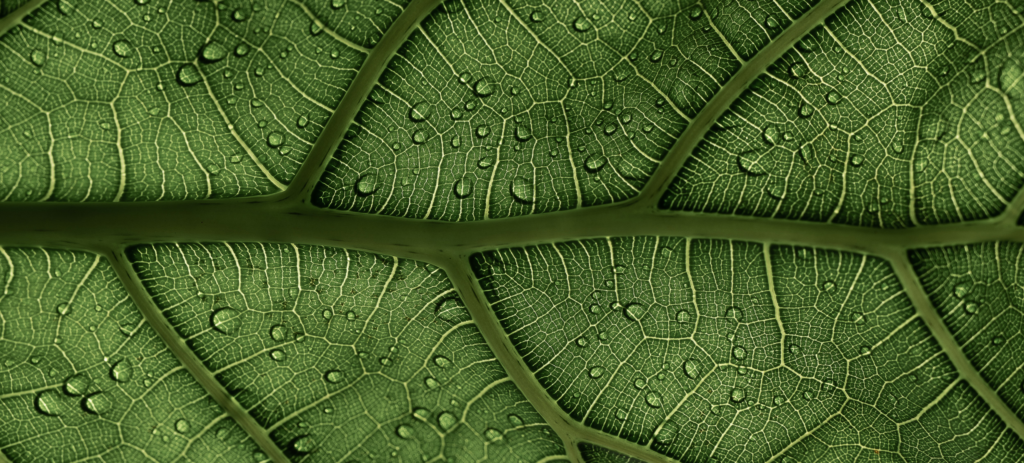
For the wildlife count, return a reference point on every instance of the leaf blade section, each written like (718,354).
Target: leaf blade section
(177,102)
(738,351)
(343,354)
(893,114)
(501,109)
(83,376)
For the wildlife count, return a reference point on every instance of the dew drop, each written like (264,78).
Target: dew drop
(522,133)
(302,121)
(302,445)
(485,162)
(188,75)
(859,318)
(857,160)
(277,333)
(750,165)
(405,432)
(656,56)
(275,139)
(182,426)
(419,137)
(621,414)
(582,24)
(333,376)
(225,320)
(594,163)
(242,49)
(442,362)
(456,141)
(961,290)
(492,435)
(739,352)
(653,399)
(419,112)
(122,48)
(794,349)
(634,311)
(336,4)
(770,135)
(63,309)
(431,383)
(596,372)
(482,131)
(696,12)
(66,7)
(238,15)
(737,395)
(770,22)
(76,385)
(865,350)
(833,97)
(96,403)
(121,371)
(997,340)
(776,188)
(277,355)
(683,316)
(213,52)
(521,190)
(515,421)
(327,314)
(805,110)
(447,421)
(735,313)
(451,310)
(828,286)
(366,185)
(483,88)
(971,308)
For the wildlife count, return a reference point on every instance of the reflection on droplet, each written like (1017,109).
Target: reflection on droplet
(805,110)
(961,290)
(334,376)
(225,320)
(485,162)
(522,133)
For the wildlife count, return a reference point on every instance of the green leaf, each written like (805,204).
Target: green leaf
(892,114)
(511,231)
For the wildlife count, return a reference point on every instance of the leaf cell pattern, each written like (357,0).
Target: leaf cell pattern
(738,351)
(140,101)
(894,113)
(596,454)
(345,355)
(501,109)
(83,377)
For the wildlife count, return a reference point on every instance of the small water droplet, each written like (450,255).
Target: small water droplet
(96,403)
(794,349)
(302,445)
(828,286)
(857,160)
(997,340)
(582,24)
(683,316)
(971,308)
(66,7)
(182,426)
(521,190)
(798,70)
(419,112)
(63,309)
(734,313)
(750,164)
(419,137)
(833,97)
(188,75)
(653,399)
(226,320)
(522,133)
(594,163)
(596,372)
(121,371)
(431,383)
(581,341)
(485,162)
(515,421)
(405,432)
(737,395)
(739,352)
(447,421)
(277,333)
(242,49)
(366,185)
(696,12)
(442,362)
(961,290)
(865,350)
(122,48)
(275,139)
(277,355)
(333,376)
(213,52)
(621,414)
(482,131)
(483,88)
(76,385)
(634,311)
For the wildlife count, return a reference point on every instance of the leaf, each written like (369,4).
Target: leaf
(511,231)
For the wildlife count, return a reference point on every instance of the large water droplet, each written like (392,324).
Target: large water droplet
(366,185)
(483,88)
(213,52)
(419,112)
(595,163)
(242,49)
(96,403)
(188,75)
(278,333)
(521,190)
(122,48)
(692,369)
(463,187)
(63,308)
(419,137)
(634,311)
(275,139)
(737,395)
(596,372)
(653,399)
(582,24)
(739,352)
(447,421)
(405,432)
(121,371)
(225,320)
(49,403)
(77,385)
(833,97)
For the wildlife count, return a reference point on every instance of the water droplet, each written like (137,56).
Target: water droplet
(338,3)
(735,313)
(857,160)
(188,75)
(798,70)
(683,316)
(582,24)
(770,22)
(238,15)
(865,350)
(482,131)
(582,341)
(805,110)
(828,286)
(594,163)
(122,48)
(419,137)
(451,310)
(596,372)
(277,333)
(366,185)
(483,88)
(302,121)
(66,7)
(225,320)
(182,426)
(456,141)
(121,371)
(997,340)
(739,352)
(302,445)
(333,376)
(634,311)
(750,164)
(277,355)
(485,162)
(522,133)
(77,385)
(447,421)
(1010,79)
(96,403)
(315,28)
(63,308)
(327,314)
(431,383)
(521,190)
(405,432)
(737,395)
(213,52)
(971,308)
(419,112)
(656,56)
(833,97)
(242,49)
(961,290)
(920,165)
(442,362)
(696,12)
(621,414)
(653,399)
(463,187)
(275,139)
(770,135)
